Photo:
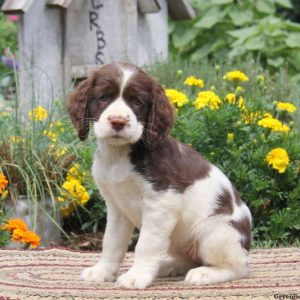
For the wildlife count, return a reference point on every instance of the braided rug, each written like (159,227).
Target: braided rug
(54,274)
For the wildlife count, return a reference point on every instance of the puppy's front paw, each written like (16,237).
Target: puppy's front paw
(97,273)
(134,280)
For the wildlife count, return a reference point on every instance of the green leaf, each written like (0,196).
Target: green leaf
(171,26)
(201,52)
(220,2)
(284,3)
(244,33)
(275,62)
(211,17)
(265,7)
(293,40)
(182,40)
(239,17)
(294,59)
(255,43)
(292,26)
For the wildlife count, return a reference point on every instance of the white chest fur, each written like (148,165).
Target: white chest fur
(117,181)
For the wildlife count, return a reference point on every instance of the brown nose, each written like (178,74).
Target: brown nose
(118,123)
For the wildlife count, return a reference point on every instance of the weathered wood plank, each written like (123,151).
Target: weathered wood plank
(148,6)
(59,3)
(16,6)
(153,36)
(180,10)
(40,48)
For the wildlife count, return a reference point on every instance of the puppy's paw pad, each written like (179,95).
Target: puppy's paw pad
(131,280)
(96,273)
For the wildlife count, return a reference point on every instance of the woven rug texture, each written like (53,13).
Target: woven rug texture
(54,274)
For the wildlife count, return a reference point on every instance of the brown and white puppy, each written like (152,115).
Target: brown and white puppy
(191,218)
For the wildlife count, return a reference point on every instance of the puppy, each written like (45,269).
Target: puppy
(191,218)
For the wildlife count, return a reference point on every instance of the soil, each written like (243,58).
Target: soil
(89,241)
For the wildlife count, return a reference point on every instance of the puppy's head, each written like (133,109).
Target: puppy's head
(123,103)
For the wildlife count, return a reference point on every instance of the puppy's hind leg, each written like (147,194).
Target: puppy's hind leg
(223,256)
(175,266)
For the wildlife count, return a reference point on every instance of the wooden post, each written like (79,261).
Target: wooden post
(58,46)
(40,48)
(16,6)
(101,31)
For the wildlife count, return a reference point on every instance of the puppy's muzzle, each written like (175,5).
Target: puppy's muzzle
(118,123)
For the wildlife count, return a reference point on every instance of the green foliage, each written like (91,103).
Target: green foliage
(36,155)
(8,34)
(273,198)
(225,28)
(4,235)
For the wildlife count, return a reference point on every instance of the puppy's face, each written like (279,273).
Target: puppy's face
(123,103)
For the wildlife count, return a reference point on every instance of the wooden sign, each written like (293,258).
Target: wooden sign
(148,6)
(59,3)
(16,6)
(180,10)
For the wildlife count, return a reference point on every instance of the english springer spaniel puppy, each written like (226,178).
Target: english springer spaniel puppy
(191,218)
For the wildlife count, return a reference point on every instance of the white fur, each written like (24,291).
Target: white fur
(172,224)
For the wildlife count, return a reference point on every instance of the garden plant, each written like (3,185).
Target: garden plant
(241,113)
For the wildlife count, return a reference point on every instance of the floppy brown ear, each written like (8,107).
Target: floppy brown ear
(78,108)
(161,116)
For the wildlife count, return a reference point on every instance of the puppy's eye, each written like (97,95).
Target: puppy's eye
(103,98)
(137,101)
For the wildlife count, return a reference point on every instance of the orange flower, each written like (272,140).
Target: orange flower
(3,182)
(17,235)
(31,238)
(14,224)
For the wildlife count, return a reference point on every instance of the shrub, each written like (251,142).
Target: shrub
(42,158)
(228,28)
(226,121)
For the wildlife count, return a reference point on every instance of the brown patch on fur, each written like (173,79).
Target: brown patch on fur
(243,226)
(83,103)
(170,165)
(237,197)
(225,205)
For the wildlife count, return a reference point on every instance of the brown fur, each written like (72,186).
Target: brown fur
(243,226)
(168,166)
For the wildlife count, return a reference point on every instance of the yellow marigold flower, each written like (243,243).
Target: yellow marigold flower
(52,135)
(278,158)
(14,224)
(176,98)
(207,99)
(231,98)
(56,126)
(236,76)
(241,104)
(193,81)
(230,136)
(30,237)
(74,173)
(251,117)
(77,191)
(57,152)
(38,114)
(270,122)
(3,182)
(286,106)
(67,209)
